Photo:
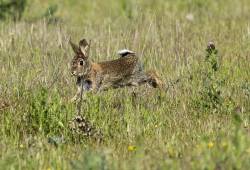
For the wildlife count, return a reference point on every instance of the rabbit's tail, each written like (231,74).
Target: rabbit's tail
(125,52)
(154,79)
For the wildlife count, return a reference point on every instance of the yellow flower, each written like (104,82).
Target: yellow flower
(171,152)
(224,144)
(21,146)
(131,148)
(210,144)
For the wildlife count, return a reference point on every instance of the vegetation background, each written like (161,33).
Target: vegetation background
(201,120)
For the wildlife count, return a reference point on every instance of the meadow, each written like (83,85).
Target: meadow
(200,120)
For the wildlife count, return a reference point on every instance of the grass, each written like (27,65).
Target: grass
(181,127)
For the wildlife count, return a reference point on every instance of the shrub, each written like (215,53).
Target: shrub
(12,9)
(209,94)
(45,113)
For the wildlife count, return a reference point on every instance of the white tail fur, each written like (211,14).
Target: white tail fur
(125,52)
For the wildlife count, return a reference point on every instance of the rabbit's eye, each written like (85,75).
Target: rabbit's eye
(81,62)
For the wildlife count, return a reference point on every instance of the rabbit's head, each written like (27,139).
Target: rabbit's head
(80,64)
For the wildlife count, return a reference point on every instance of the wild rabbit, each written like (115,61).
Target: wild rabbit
(124,71)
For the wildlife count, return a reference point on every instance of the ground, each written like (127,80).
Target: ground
(200,120)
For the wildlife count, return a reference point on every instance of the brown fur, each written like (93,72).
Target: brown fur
(154,79)
(108,74)
(111,71)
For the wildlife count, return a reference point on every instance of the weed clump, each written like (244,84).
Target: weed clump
(79,125)
(12,9)
(209,96)
(45,113)
(211,91)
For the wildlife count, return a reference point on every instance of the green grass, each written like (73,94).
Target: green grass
(143,128)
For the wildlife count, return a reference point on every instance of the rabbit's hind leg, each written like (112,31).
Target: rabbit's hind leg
(153,79)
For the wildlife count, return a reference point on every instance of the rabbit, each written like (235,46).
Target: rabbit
(124,71)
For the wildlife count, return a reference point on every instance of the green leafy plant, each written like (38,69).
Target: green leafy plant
(12,9)
(45,113)
(209,96)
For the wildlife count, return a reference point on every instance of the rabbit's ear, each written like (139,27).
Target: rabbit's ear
(74,46)
(84,47)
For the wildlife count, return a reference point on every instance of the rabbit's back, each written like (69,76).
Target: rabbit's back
(122,66)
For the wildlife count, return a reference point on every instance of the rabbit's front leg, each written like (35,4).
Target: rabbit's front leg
(82,85)
(77,95)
